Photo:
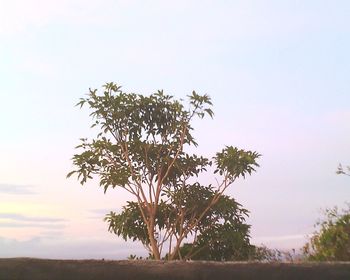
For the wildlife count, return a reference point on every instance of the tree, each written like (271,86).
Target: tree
(141,148)
(332,240)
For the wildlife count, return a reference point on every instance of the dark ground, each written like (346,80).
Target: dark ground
(39,269)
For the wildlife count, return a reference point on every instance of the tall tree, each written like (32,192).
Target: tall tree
(140,147)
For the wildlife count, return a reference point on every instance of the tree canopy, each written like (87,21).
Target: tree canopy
(141,147)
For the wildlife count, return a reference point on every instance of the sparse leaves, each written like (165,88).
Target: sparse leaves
(234,163)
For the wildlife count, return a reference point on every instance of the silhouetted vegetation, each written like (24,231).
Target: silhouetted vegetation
(331,241)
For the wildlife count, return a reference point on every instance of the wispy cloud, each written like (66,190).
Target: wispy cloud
(280,238)
(31,225)
(281,242)
(101,213)
(14,220)
(22,218)
(16,189)
(52,234)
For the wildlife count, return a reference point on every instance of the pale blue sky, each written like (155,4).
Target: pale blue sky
(277,71)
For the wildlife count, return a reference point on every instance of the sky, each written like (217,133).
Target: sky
(277,73)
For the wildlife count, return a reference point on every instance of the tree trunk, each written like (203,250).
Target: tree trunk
(155,249)
(153,241)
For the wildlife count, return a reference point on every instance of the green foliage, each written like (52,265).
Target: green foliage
(235,162)
(222,234)
(140,147)
(331,242)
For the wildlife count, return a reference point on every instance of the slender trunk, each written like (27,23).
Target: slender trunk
(153,241)
(176,250)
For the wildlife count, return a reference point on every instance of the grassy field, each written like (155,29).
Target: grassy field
(40,269)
